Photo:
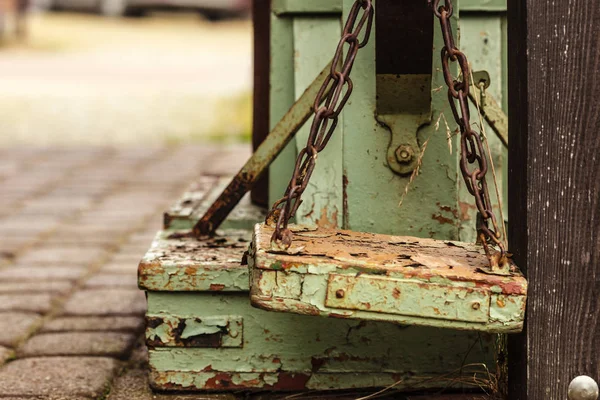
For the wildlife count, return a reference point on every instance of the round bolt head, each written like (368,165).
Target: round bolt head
(404,154)
(583,388)
(340,293)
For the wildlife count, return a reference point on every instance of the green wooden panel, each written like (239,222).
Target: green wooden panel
(430,208)
(282,7)
(483,5)
(282,97)
(481,40)
(319,353)
(323,202)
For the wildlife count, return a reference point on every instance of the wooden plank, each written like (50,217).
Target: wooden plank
(374,277)
(554,192)
(281,79)
(286,7)
(483,5)
(323,199)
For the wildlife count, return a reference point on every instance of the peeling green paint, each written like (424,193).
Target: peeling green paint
(330,353)
(440,285)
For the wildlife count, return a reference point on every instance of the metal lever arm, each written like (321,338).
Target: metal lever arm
(264,155)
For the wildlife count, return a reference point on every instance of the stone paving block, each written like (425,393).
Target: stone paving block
(106,302)
(36,287)
(109,344)
(26,273)
(70,377)
(100,238)
(63,255)
(124,268)
(16,327)
(112,280)
(39,302)
(134,258)
(73,324)
(28,223)
(5,355)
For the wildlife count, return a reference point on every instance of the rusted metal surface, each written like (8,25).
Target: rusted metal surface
(192,205)
(177,261)
(184,331)
(264,155)
(399,279)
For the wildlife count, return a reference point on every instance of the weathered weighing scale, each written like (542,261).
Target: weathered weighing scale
(418,311)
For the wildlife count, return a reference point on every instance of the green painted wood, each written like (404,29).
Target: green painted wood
(282,97)
(325,192)
(374,277)
(295,352)
(192,205)
(481,41)
(282,7)
(372,189)
(177,261)
(483,5)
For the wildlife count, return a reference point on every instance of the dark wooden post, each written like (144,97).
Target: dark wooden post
(261,23)
(554,190)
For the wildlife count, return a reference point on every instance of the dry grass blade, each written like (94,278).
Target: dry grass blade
(415,173)
(491,161)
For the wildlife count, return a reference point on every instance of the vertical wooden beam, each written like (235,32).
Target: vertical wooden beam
(261,23)
(554,190)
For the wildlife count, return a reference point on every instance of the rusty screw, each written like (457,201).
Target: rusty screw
(475,306)
(404,154)
(340,293)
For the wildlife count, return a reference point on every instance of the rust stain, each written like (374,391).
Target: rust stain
(316,363)
(465,209)
(449,209)
(501,303)
(324,220)
(216,287)
(441,219)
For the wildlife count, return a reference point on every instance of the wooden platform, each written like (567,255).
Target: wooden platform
(405,280)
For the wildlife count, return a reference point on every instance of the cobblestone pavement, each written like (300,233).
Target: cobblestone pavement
(73,225)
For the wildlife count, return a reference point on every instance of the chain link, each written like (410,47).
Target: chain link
(473,162)
(326,117)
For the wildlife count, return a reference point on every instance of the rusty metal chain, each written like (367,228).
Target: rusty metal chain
(473,161)
(333,98)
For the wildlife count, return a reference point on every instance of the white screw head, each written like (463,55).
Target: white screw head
(583,388)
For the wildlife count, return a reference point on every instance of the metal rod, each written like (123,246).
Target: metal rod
(264,155)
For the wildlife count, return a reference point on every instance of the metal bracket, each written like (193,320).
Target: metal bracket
(403,106)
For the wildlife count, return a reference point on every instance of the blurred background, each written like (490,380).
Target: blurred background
(114,72)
